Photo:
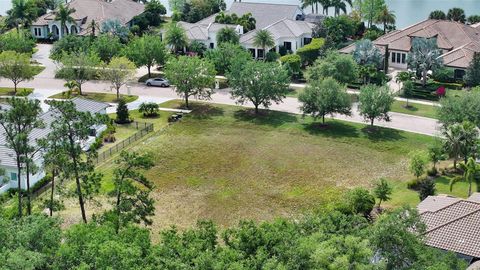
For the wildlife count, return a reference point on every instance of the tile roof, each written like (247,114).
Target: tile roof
(98,10)
(281,29)
(452,224)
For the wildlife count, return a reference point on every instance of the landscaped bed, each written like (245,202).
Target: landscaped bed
(10,91)
(415,109)
(103,97)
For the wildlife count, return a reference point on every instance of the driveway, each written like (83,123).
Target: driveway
(46,85)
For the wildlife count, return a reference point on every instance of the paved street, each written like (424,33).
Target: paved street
(46,85)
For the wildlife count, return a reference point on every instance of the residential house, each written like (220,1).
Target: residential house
(453,224)
(86,12)
(458,42)
(7,155)
(286,23)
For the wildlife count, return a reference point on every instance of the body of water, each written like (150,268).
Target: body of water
(407,12)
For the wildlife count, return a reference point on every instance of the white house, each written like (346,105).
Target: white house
(86,12)
(7,156)
(286,23)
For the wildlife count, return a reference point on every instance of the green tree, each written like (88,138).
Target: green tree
(18,122)
(122,115)
(366,53)
(456,14)
(149,109)
(343,252)
(437,15)
(407,90)
(154,10)
(386,17)
(132,189)
(458,109)
(382,190)
(69,128)
(424,56)
(225,55)
(370,10)
(259,82)
(341,67)
(473,19)
(22,13)
(176,5)
(107,47)
(435,153)
(325,97)
(197,47)
(20,42)
(338,5)
(339,29)
(16,67)
(115,28)
(426,187)
(360,201)
(191,76)
(67,45)
(470,170)
(79,67)
(418,163)
(472,75)
(227,34)
(176,38)
(118,72)
(263,39)
(375,102)
(293,64)
(64,15)
(147,51)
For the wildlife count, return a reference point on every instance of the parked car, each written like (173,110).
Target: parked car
(157,82)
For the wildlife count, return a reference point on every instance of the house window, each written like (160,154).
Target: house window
(259,53)
(459,73)
(37,31)
(13,176)
(287,45)
(393,57)
(404,56)
(306,41)
(398,57)
(212,45)
(252,51)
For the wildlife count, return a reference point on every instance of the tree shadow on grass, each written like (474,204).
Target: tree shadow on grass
(265,117)
(332,129)
(204,111)
(410,108)
(381,134)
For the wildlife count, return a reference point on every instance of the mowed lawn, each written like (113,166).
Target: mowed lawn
(224,164)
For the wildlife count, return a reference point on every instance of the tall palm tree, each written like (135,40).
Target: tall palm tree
(176,38)
(22,13)
(227,35)
(247,21)
(63,14)
(338,5)
(386,17)
(264,39)
(470,170)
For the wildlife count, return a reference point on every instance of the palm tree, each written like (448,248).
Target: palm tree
(326,4)
(386,17)
(93,28)
(264,39)
(63,14)
(470,169)
(22,13)
(338,5)
(227,34)
(247,21)
(176,38)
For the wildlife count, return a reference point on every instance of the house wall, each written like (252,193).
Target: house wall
(11,172)
(40,32)
(399,61)
(296,43)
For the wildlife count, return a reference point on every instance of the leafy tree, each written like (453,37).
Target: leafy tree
(339,29)
(360,201)
(64,16)
(18,122)
(472,75)
(456,14)
(123,115)
(338,5)
(375,102)
(470,170)
(154,10)
(107,47)
(118,72)
(22,13)
(458,109)
(435,153)
(79,67)
(149,109)
(437,15)
(259,82)
(194,11)
(147,51)
(418,163)
(386,17)
(341,67)
(197,47)
(263,39)
(20,42)
(176,38)
(225,55)
(67,45)
(176,5)
(325,97)
(370,10)
(426,187)
(16,67)
(191,76)
(293,64)
(473,19)
(310,52)
(366,53)
(382,190)
(407,89)
(69,128)
(272,56)
(228,34)
(424,56)
(115,28)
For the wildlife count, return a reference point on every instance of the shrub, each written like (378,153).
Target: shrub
(123,115)
(149,109)
(19,42)
(444,75)
(426,187)
(360,201)
(413,184)
(292,63)
(272,56)
(282,50)
(432,172)
(310,52)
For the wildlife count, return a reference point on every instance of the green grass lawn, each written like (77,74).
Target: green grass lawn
(103,97)
(10,91)
(415,109)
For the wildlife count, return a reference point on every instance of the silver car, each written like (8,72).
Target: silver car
(157,82)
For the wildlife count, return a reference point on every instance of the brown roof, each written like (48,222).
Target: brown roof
(451,36)
(452,224)
(99,10)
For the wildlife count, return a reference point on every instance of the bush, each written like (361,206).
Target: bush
(310,52)
(360,201)
(444,75)
(413,184)
(432,172)
(272,56)
(282,50)
(149,109)
(19,42)
(292,63)
(123,115)
(68,45)
(426,187)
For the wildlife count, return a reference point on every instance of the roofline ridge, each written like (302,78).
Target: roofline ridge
(453,220)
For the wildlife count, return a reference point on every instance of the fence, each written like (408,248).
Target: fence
(143,129)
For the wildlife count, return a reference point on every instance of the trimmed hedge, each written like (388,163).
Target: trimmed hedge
(310,52)
(292,63)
